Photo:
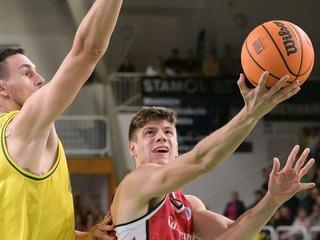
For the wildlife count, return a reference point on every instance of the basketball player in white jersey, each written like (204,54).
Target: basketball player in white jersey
(149,204)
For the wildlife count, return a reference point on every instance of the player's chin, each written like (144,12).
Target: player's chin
(161,160)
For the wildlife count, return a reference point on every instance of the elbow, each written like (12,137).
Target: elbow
(202,164)
(95,51)
(98,48)
(90,48)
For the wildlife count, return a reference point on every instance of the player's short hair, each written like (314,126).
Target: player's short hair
(146,114)
(6,52)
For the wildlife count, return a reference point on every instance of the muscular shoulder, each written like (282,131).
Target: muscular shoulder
(133,195)
(195,203)
(207,224)
(139,180)
(140,174)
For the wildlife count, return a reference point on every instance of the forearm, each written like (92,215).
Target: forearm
(218,146)
(97,26)
(90,43)
(250,223)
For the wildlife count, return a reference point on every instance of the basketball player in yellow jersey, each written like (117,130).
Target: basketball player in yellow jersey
(35,195)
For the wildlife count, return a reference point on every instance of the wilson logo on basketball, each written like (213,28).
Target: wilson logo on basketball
(288,42)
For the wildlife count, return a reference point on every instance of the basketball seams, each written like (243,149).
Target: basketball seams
(257,64)
(302,48)
(278,49)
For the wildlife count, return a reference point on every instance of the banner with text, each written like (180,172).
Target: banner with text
(304,106)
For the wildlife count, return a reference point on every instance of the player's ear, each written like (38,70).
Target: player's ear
(3,89)
(132,148)
(177,151)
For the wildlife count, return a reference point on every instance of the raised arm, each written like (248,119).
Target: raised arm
(218,146)
(214,149)
(283,184)
(33,143)
(90,44)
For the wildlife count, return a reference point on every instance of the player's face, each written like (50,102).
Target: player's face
(23,79)
(156,142)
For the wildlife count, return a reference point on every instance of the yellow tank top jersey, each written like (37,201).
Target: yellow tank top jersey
(34,207)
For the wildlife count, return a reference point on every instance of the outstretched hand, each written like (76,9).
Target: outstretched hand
(261,100)
(287,182)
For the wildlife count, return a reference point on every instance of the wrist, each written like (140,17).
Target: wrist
(272,200)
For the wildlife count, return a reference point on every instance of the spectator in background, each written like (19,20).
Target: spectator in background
(315,221)
(190,64)
(301,220)
(258,195)
(228,64)
(306,133)
(275,219)
(313,142)
(308,200)
(127,65)
(210,65)
(293,204)
(285,216)
(265,174)
(157,68)
(311,139)
(235,208)
(174,62)
(316,178)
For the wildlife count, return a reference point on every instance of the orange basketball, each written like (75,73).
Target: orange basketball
(279,47)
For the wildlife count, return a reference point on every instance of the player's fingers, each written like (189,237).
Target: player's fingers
(241,83)
(307,186)
(301,159)
(292,157)
(279,84)
(291,86)
(282,97)
(262,81)
(107,219)
(306,168)
(275,167)
(105,227)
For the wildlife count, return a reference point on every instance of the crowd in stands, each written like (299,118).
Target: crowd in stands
(188,64)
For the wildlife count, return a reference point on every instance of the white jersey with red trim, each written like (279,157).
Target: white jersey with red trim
(171,219)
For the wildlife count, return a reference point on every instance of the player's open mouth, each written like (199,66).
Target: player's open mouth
(161,150)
